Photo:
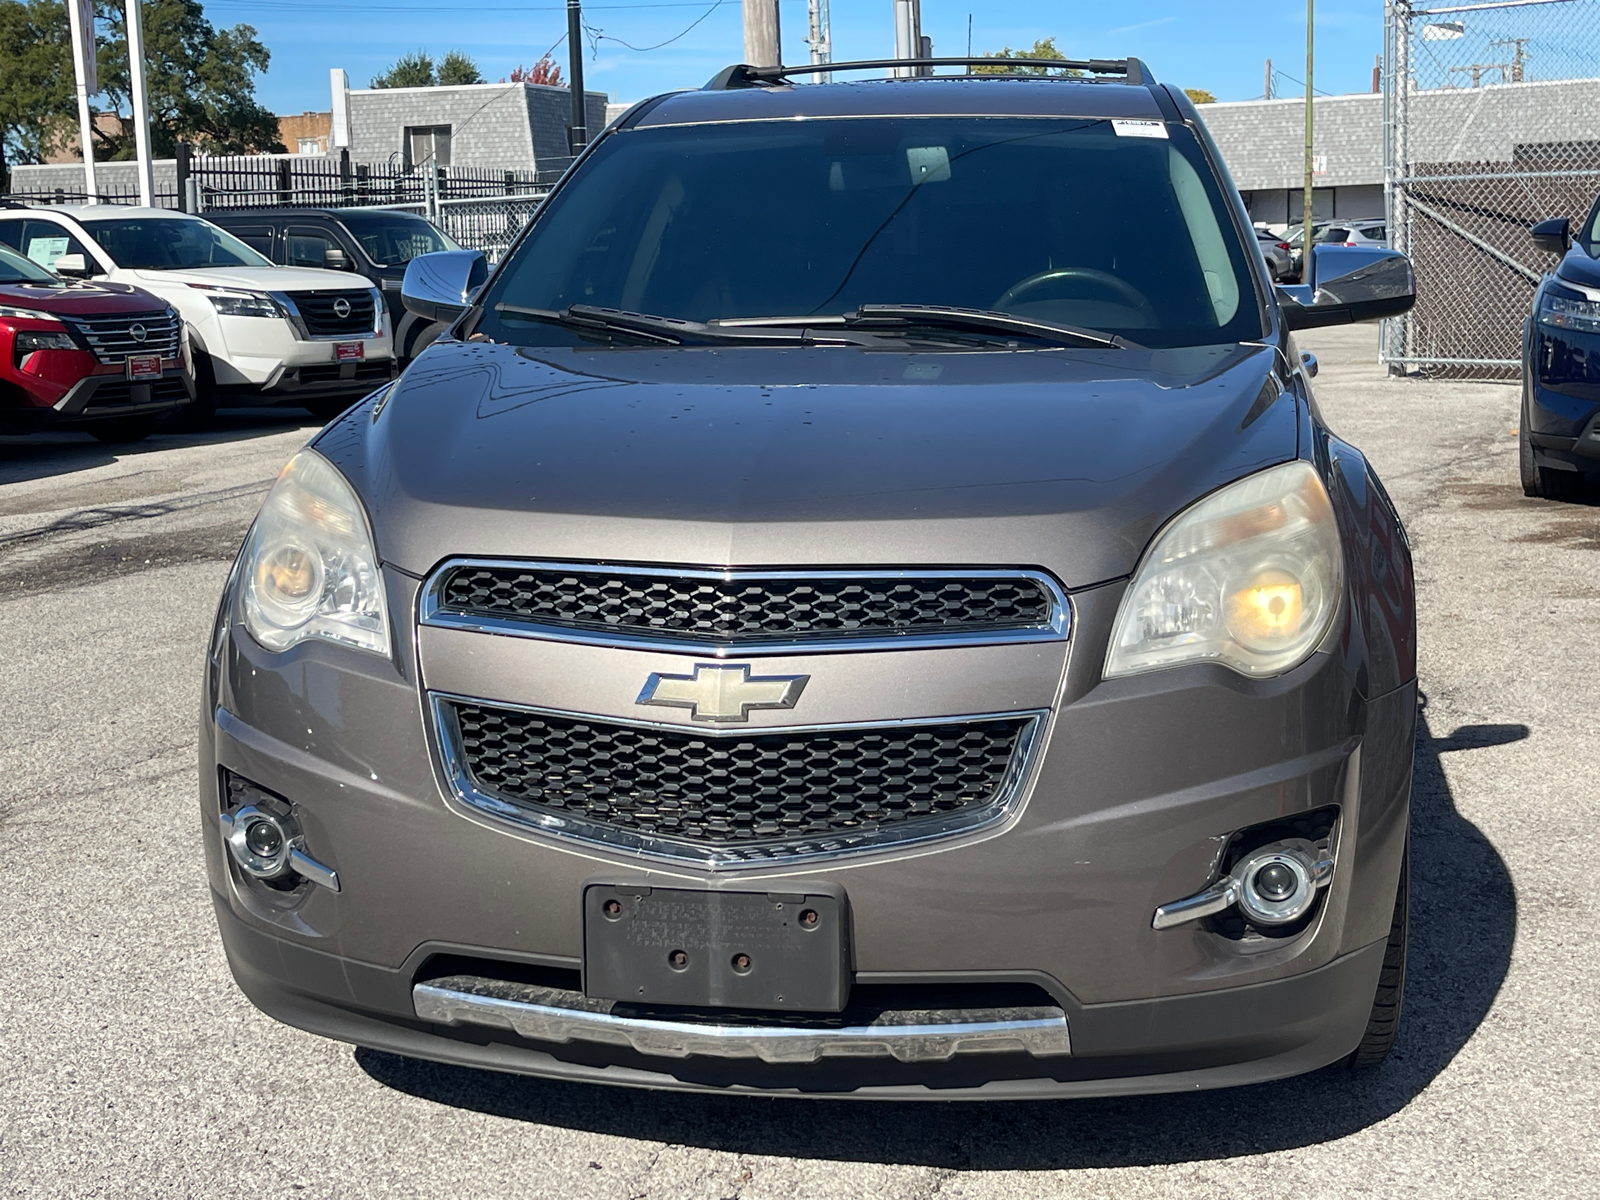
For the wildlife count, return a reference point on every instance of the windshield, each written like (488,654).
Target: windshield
(16,269)
(394,239)
(169,244)
(1118,227)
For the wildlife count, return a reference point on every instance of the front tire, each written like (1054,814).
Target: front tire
(1541,482)
(1383,1025)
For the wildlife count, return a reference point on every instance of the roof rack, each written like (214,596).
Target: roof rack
(743,75)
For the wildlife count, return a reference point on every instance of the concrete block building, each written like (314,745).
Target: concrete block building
(514,126)
(1263,141)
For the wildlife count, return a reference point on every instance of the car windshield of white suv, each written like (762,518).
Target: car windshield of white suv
(16,269)
(1115,227)
(169,244)
(393,239)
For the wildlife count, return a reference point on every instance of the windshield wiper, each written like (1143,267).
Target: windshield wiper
(982,320)
(669,331)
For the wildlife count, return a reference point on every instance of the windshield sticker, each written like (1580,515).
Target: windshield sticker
(929,164)
(1155,129)
(45,250)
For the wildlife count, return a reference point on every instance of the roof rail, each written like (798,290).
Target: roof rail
(743,75)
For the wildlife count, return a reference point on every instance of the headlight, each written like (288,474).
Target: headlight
(240,304)
(26,342)
(309,567)
(28,314)
(1567,310)
(1250,577)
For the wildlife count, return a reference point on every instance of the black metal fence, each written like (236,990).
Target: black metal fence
(337,182)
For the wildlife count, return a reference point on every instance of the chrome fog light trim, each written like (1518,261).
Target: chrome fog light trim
(248,833)
(1305,869)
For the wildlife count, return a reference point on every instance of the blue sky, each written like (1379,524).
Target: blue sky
(1220,45)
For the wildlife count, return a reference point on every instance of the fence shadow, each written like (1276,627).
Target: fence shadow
(1463,921)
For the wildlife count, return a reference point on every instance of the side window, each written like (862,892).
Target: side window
(45,241)
(11,234)
(258,237)
(307,247)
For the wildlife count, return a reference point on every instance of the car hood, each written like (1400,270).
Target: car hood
(258,279)
(1066,460)
(75,299)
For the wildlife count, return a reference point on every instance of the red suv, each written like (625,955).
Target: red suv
(103,357)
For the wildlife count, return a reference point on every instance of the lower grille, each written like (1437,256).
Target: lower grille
(119,392)
(378,369)
(735,797)
(336,313)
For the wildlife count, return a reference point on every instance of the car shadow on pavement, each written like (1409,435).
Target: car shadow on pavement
(1463,921)
(43,455)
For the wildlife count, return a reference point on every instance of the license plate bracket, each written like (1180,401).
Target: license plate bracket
(723,949)
(144,366)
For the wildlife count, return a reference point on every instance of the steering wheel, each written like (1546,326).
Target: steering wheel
(1104,279)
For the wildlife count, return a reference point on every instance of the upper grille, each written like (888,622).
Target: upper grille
(112,338)
(319,311)
(739,797)
(746,608)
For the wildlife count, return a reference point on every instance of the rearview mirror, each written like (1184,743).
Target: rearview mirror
(440,286)
(334,260)
(74,265)
(1554,235)
(1345,284)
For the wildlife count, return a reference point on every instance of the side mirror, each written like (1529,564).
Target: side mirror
(440,286)
(1554,235)
(1345,284)
(74,266)
(334,260)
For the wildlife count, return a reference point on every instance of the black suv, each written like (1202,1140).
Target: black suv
(375,242)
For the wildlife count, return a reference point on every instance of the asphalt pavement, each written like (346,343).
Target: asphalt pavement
(130,1065)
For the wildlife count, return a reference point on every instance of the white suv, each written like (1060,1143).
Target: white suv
(260,333)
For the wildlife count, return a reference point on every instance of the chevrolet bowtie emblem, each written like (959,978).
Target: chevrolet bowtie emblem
(722,693)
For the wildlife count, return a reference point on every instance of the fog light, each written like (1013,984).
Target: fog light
(264,839)
(259,842)
(1277,885)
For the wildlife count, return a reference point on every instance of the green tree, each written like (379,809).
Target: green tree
(456,68)
(1043,48)
(1199,96)
(410,70)
(38,114)
(200,81)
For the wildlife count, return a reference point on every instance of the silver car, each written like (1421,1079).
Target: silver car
(846,610)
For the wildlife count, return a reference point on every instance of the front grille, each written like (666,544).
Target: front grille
(742,796)
(377,369)
(320,312)
(114,338)
(116,393)
(748,607)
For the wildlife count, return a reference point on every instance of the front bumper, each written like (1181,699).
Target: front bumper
(269,358)
(107,393)
(1137,784)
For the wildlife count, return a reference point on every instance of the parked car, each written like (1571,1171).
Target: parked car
(1276,251)
(373,242)
(260,334)
(104,358)
(1335,233)
(1558,437)
(816,650)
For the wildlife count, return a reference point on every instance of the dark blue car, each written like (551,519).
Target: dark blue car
(1559,442)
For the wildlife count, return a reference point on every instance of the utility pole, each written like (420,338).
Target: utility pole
(1305,237)
(1266,82)
(80,16)
(819,36)
(907,35)
(141,105)
(578,131)
(763,43)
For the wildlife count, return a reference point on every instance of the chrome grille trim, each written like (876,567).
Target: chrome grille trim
(311,313)
(726,856)
(111,340)
(432,610)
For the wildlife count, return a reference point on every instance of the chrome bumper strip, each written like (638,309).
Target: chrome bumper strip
(551,1015)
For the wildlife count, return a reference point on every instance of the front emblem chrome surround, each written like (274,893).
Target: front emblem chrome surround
(433,611)
(722,692)
(1008,796)
(138,332)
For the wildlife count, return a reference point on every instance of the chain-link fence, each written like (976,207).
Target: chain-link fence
(1491,123)
(490,225)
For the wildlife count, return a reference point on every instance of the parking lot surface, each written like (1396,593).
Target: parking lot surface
(130,1064)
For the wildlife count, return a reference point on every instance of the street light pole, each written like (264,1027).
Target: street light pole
(578,132)
(1305,236)
(141,105)
(80,16)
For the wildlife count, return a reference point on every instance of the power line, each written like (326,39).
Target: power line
(596,35)
(1299,83)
